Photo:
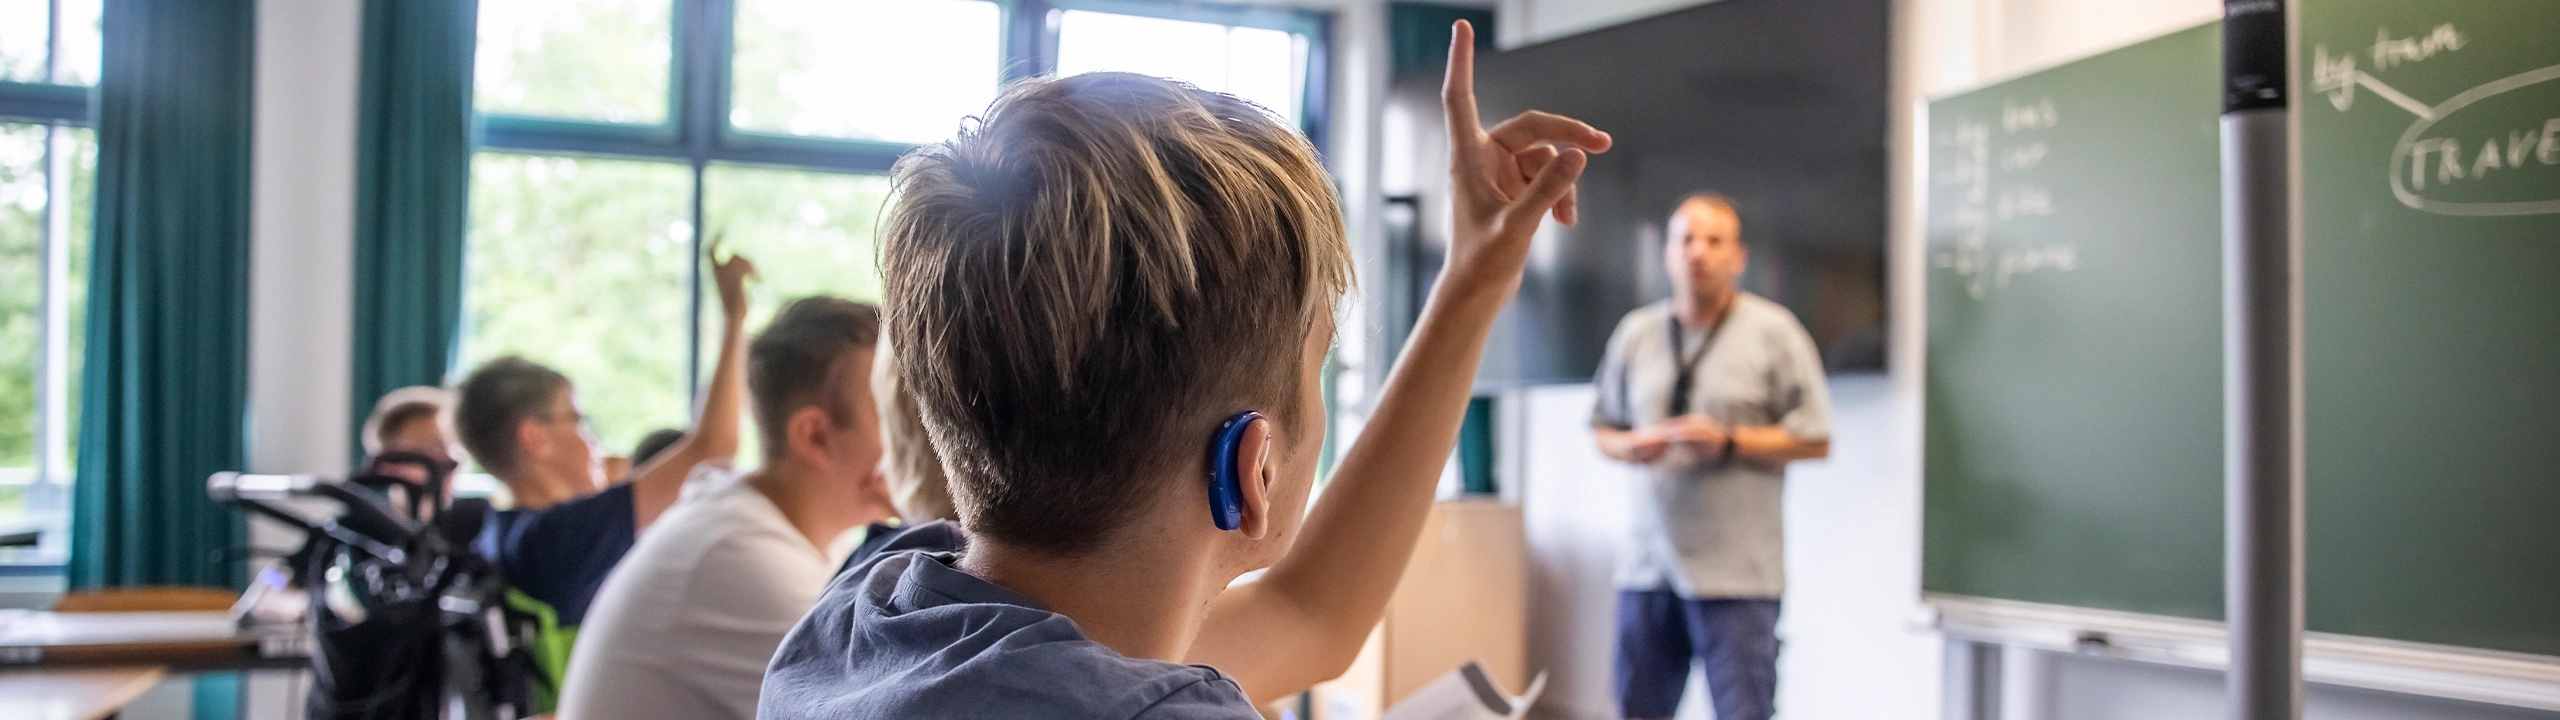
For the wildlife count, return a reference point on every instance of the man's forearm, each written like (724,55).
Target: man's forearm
(1771,443)
(1616,444)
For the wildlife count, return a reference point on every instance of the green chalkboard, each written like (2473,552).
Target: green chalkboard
(2074,379)
(2431,227)
(2074,391)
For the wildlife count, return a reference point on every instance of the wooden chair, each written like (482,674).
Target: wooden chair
(168,598)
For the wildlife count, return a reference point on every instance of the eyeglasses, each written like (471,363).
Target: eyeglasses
(574,418)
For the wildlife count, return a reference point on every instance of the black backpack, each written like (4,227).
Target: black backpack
(408,623)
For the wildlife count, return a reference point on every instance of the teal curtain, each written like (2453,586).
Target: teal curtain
(164,381)
(413,169)
(1475,446)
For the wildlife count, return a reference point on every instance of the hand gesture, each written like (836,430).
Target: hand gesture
(1648,445)
(1698,430)
(731,277)
(1503,180)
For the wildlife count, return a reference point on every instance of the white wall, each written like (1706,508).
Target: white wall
(302,220)
(301,225)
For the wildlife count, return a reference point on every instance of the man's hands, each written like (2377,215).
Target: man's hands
(1699,430)
(1501,180)
(731,277)
(1636,446)
(1646,446)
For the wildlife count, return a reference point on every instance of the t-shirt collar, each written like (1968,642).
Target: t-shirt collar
(931,581)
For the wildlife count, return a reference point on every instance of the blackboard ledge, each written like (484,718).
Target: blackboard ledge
(2486,676)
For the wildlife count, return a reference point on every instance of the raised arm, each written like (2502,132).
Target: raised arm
(714,435)
(1303,622)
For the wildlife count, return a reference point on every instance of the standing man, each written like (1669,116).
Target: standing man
(1713,392)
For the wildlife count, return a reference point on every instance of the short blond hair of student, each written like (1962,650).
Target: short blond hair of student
(398,408)
(917,484)
(1092,276)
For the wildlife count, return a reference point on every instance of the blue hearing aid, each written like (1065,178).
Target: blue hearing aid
(1226,486)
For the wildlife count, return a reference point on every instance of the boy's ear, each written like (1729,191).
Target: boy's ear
(531,439)
(1253,474)
(808,431)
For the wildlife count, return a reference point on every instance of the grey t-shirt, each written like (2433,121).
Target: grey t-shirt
(904,634)
(1703,529)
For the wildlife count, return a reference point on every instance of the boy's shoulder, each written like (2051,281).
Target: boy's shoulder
(905,634)
(599,517)
(561,554)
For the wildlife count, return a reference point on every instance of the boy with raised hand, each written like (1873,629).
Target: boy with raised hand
(1111,291)
(684,628)
(521,421)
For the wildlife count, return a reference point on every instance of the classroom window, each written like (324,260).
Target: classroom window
(1264,65)
(823,68)
(619,136)
(49,42)
(579,264)
(606,60)
(48,50)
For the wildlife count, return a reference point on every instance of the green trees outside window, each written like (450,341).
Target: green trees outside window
(617,136)
(48,157)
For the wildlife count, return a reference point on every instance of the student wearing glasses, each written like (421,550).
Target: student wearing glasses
(568,528)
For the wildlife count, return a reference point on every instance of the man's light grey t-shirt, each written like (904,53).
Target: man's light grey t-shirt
(1703,529)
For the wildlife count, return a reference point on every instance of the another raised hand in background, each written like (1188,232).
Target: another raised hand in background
(656,485)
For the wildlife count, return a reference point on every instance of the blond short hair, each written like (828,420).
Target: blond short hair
(1090,278)
(398,408)
(916,482)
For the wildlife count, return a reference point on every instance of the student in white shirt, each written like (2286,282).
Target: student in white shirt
(685,625)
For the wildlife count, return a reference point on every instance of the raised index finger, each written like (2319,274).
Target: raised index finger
(1458,88)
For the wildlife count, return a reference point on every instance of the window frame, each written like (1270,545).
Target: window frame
(697,132)
(58,107)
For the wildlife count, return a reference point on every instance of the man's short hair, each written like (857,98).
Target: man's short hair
(398,408)
(798,361)
(917,484)
(1088,279)
(496,399)
(1715,200)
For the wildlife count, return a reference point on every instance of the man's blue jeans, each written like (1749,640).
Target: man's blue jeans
(1735,640)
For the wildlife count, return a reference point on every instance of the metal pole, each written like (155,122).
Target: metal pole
(2262,367)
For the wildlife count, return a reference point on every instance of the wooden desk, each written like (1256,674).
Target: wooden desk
(184,640)
(90,693)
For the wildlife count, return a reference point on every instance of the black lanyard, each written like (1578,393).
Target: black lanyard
(1681,383)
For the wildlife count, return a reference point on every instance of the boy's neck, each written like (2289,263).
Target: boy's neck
(532,490)
(821,508)
(1143,598)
